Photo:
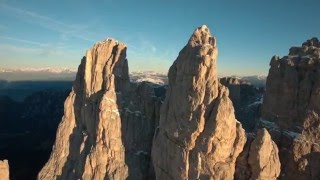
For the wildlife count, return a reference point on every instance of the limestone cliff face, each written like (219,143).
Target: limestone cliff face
(4,170)
(292,85)
(243,169)
(108,124)
(198,136)
(304,161)
(291,110)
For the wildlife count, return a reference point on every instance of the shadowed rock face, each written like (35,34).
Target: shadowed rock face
(108,124)
(4,170)
(233,85)
(246,100)
(198,136)
(291,110)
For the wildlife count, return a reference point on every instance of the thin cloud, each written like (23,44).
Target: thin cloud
(40,48)
(74,30)
(23,41)
(5,48)
(45,51)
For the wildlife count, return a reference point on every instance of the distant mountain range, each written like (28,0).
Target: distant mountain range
(22,74)
(47,70)
(257,81)
(67,74)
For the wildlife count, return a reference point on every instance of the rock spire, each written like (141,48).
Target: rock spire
(198,136)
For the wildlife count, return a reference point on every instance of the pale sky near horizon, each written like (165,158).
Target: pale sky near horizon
(38,33)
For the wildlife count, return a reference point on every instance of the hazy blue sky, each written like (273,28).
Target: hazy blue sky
(47,33)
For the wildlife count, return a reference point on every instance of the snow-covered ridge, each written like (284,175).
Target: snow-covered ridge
(40,70)
(149,76)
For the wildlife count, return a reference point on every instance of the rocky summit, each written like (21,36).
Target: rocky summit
(108,124)
(198,136)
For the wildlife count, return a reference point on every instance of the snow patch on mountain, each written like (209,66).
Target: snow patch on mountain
(149,76)
(35,70)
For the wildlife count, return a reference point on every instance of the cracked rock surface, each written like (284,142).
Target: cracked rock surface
(292,86)
(198,136)
(108,124)
(291,110)
(259,159)
(263,157)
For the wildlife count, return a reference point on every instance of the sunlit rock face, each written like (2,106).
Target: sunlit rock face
(108,124)
(291,110)
(304,159)
(198,136)
(292,85)
(4,170)
(263,157)
(259,159)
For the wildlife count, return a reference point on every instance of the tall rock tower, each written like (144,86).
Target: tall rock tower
(198,136)
(108,124)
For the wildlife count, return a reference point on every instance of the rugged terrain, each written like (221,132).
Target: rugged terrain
(113,128)
(247,100)
(291,110)
(110,125)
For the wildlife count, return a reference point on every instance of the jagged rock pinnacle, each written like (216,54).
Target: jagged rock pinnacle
(198,135)
(263,157)
(108,124)
(202,36)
